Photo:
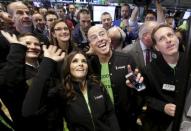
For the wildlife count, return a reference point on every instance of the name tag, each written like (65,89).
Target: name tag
(168,87)
(119,67)
(98,97)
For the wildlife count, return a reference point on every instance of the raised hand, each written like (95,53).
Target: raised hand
(134,79)
(12,38)
(53,52)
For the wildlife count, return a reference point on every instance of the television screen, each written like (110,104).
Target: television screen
(98,10)
(187,14)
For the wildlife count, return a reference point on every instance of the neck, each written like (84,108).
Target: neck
(31,61)
(105,58)
(63,45)
(171,59)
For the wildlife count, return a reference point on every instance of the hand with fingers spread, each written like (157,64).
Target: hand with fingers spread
(53,52)
(170,109)
(12,38)
(134,79)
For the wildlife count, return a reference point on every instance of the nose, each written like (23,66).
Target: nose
(32,46)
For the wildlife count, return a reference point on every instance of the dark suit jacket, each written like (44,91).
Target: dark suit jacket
(136,52)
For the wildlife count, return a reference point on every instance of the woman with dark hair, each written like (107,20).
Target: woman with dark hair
(80,99)
(61,35)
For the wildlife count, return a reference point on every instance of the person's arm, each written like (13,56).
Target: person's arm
(12,73)
(33,97)
(160,12)
(134,14)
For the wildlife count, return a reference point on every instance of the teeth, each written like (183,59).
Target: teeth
(101,45)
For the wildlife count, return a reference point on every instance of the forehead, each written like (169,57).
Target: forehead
(124,8)
(95,30)
(42,9)
(85,16)
(19,6)
(51,16)
(71,6)
(162,31)
(79,56)
(60,24)
(105,16)
(37,16)
(29,38)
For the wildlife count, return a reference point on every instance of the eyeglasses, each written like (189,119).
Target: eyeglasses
(60,29)
(94,37)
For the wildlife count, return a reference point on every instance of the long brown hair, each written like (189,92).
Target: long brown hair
(67,80)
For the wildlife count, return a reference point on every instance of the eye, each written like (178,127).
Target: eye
(93,37)
(28,43)
(84,61)
(170,35)
(74,61)
(19,12)
(102,33)
(162,38)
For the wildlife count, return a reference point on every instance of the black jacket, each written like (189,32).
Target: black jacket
(124,97)
(76,113)
(160,80)
(12,85)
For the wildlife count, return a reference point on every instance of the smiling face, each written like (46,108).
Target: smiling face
(79,67)
(22,18)
(33,46)
(106,21)
(99,40)
(61,32)
(166,41)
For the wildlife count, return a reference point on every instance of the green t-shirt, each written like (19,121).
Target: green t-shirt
(105,79)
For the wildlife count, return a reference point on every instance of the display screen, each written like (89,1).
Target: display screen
(98,10)
(187,14)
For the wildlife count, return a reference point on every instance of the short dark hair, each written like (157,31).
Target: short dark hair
(50,12)
(105,13)
(83,11)
(28,34)
(155,30)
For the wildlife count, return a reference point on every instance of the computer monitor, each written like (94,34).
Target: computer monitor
(187,14)
(98,10)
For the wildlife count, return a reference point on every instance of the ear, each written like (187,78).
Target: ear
(53,34)
(156,47)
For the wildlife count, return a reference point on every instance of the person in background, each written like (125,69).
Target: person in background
(142,50)
(50,17)
(128,23)
(181,34)
(42,11)
(106,20)
(72,13)
(39,28)
(117,36)
(79,34)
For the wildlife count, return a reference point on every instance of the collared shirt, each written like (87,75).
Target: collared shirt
(144,49)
